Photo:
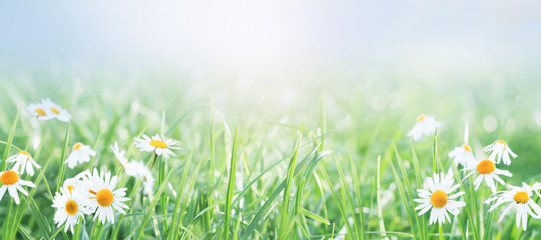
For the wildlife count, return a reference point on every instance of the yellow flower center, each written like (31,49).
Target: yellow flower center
(71,207)
(438,199)
(40,112)
(421,117)
(500,141)
(158,144)
(69,187)
(521,197)
(466,147)
(486,167)
(77,146)
(104,197)
(9,177)
(25,153)
(53,109)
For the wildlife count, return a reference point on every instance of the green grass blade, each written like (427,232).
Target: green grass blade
(62,158)
(10,140)
(231,184)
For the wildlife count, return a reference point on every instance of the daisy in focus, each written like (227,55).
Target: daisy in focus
(500,150)
(487,170)
(103,197)
(462,155)
(80,154)
(426,125)
(55,110)
(438,199)
(11,182)
(518,198)
(156,144)
(23,162)
(70,207)
(39,111)
(135,169)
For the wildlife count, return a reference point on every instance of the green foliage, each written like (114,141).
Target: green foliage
(347,172)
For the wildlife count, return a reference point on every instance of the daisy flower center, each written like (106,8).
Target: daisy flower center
(438,199)
(486,167)
(77,146)
(104,197)
(53,109)
(466,147)
(500,141)
(9,177)
(421,117)
(521,197)
(71,207)
(158,144)
(25,153)
(69,187)
(40,112)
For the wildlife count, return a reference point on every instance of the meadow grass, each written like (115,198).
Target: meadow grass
(329,164)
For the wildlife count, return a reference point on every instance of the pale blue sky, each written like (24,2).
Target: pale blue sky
(248,34)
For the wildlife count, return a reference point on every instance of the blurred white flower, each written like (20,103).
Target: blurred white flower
(39,111)
(55,110)
(462,155)
(80,154)
(135,169)
(23,162)
(500,150)
(426,125)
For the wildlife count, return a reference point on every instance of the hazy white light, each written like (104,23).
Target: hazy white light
(378,103)
(490,123)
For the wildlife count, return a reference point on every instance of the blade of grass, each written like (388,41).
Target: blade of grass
(150,208)
(270,201)
(10,139)
(62,158)
(231,184)
(284,211)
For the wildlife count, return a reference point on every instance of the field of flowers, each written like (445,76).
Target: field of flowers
(163,156)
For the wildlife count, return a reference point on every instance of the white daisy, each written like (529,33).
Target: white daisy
(139,170)
(135,169)
(462,155)
(119,154)
(519,198)
(70,207)
(80,153)
(487,170)
(77,182)
(500,150)
(103,197)
(11,182)
(534,188)
(40,111)
(437,198)
(426,125)
(23,162)
(56,111)
(157,144)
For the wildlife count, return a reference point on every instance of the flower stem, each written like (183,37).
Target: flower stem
(440,228)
